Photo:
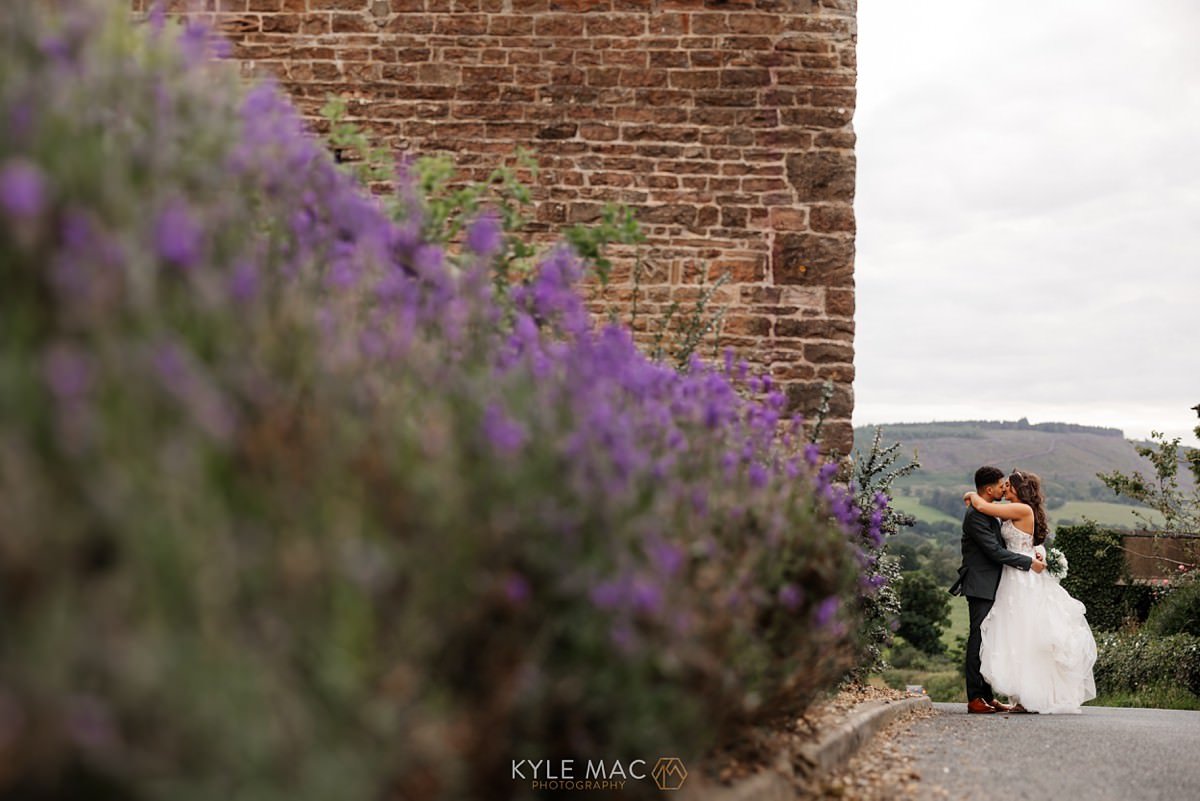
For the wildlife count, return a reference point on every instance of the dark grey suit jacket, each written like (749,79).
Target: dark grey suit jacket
(983,557)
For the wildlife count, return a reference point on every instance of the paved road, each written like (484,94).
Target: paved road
(1101,754)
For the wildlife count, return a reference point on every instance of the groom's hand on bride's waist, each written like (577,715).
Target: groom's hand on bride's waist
(1038,565)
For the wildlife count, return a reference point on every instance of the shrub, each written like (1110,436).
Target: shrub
(1178,612)
(946,686)
(871,477)
(904,655)
(924,612)
(297,507)
(1131,662)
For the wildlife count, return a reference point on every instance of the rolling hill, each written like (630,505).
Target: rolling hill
(1066,456)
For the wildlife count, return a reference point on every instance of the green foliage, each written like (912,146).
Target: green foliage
(351,147)
(924,612)
(903,655)
(447,207)
(1097,574)
(1178,612)
(1135,661)
(1161,491)
(617,225)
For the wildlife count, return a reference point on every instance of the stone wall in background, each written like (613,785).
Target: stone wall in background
(726,124)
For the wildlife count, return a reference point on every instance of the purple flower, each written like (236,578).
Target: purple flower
(484,236)
(758,476)
(22,189)
(243,281)
(826,611)
(193,42)
(622,636)
(172,369)
(607,594)
(157,16)
(882,500)
(812,454)
(667,557)
(791,596)
(516,588)
(647,596)
(67,371)
(505,434)
(177,236)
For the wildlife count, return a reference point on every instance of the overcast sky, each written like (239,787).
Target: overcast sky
(1029,212)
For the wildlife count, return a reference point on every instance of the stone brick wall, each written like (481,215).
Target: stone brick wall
(725,123)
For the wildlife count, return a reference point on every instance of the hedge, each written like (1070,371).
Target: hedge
(1098,577)
(1128,662)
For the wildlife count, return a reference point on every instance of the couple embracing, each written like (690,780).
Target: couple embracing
(1029,638)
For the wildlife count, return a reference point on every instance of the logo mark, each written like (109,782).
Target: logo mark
(669,773)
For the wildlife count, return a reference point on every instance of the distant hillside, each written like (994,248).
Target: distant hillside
(1066,456)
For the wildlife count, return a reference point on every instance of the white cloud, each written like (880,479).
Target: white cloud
(1029,212)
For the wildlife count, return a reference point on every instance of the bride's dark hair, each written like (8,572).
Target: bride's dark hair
(1028,487)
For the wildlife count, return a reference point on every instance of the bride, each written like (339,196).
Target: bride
(1036,645)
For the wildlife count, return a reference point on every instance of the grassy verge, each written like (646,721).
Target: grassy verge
(941,676)
(940,685)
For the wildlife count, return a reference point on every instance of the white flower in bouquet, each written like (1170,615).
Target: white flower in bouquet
(1056,560)
(1056,563)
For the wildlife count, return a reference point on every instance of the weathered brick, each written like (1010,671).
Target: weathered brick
(833,219)
(822,175)
(813,259)
(839,302)
(815,328)
(829,352)
(805,397)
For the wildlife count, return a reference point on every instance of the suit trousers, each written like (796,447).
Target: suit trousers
(977,687)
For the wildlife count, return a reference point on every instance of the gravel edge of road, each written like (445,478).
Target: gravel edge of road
(812,760)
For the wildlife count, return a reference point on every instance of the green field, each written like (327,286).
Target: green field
(960,621)
(914,507)
(1107,514)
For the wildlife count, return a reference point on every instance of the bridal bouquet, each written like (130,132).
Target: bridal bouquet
(1056,563)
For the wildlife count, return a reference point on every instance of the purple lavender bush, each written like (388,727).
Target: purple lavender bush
(294,506)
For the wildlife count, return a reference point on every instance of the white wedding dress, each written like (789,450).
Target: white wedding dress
(1037,647)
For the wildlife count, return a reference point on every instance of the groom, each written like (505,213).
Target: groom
(983,558)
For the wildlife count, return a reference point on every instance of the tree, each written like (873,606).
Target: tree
(1161,492)
(924,612)
(907,555)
